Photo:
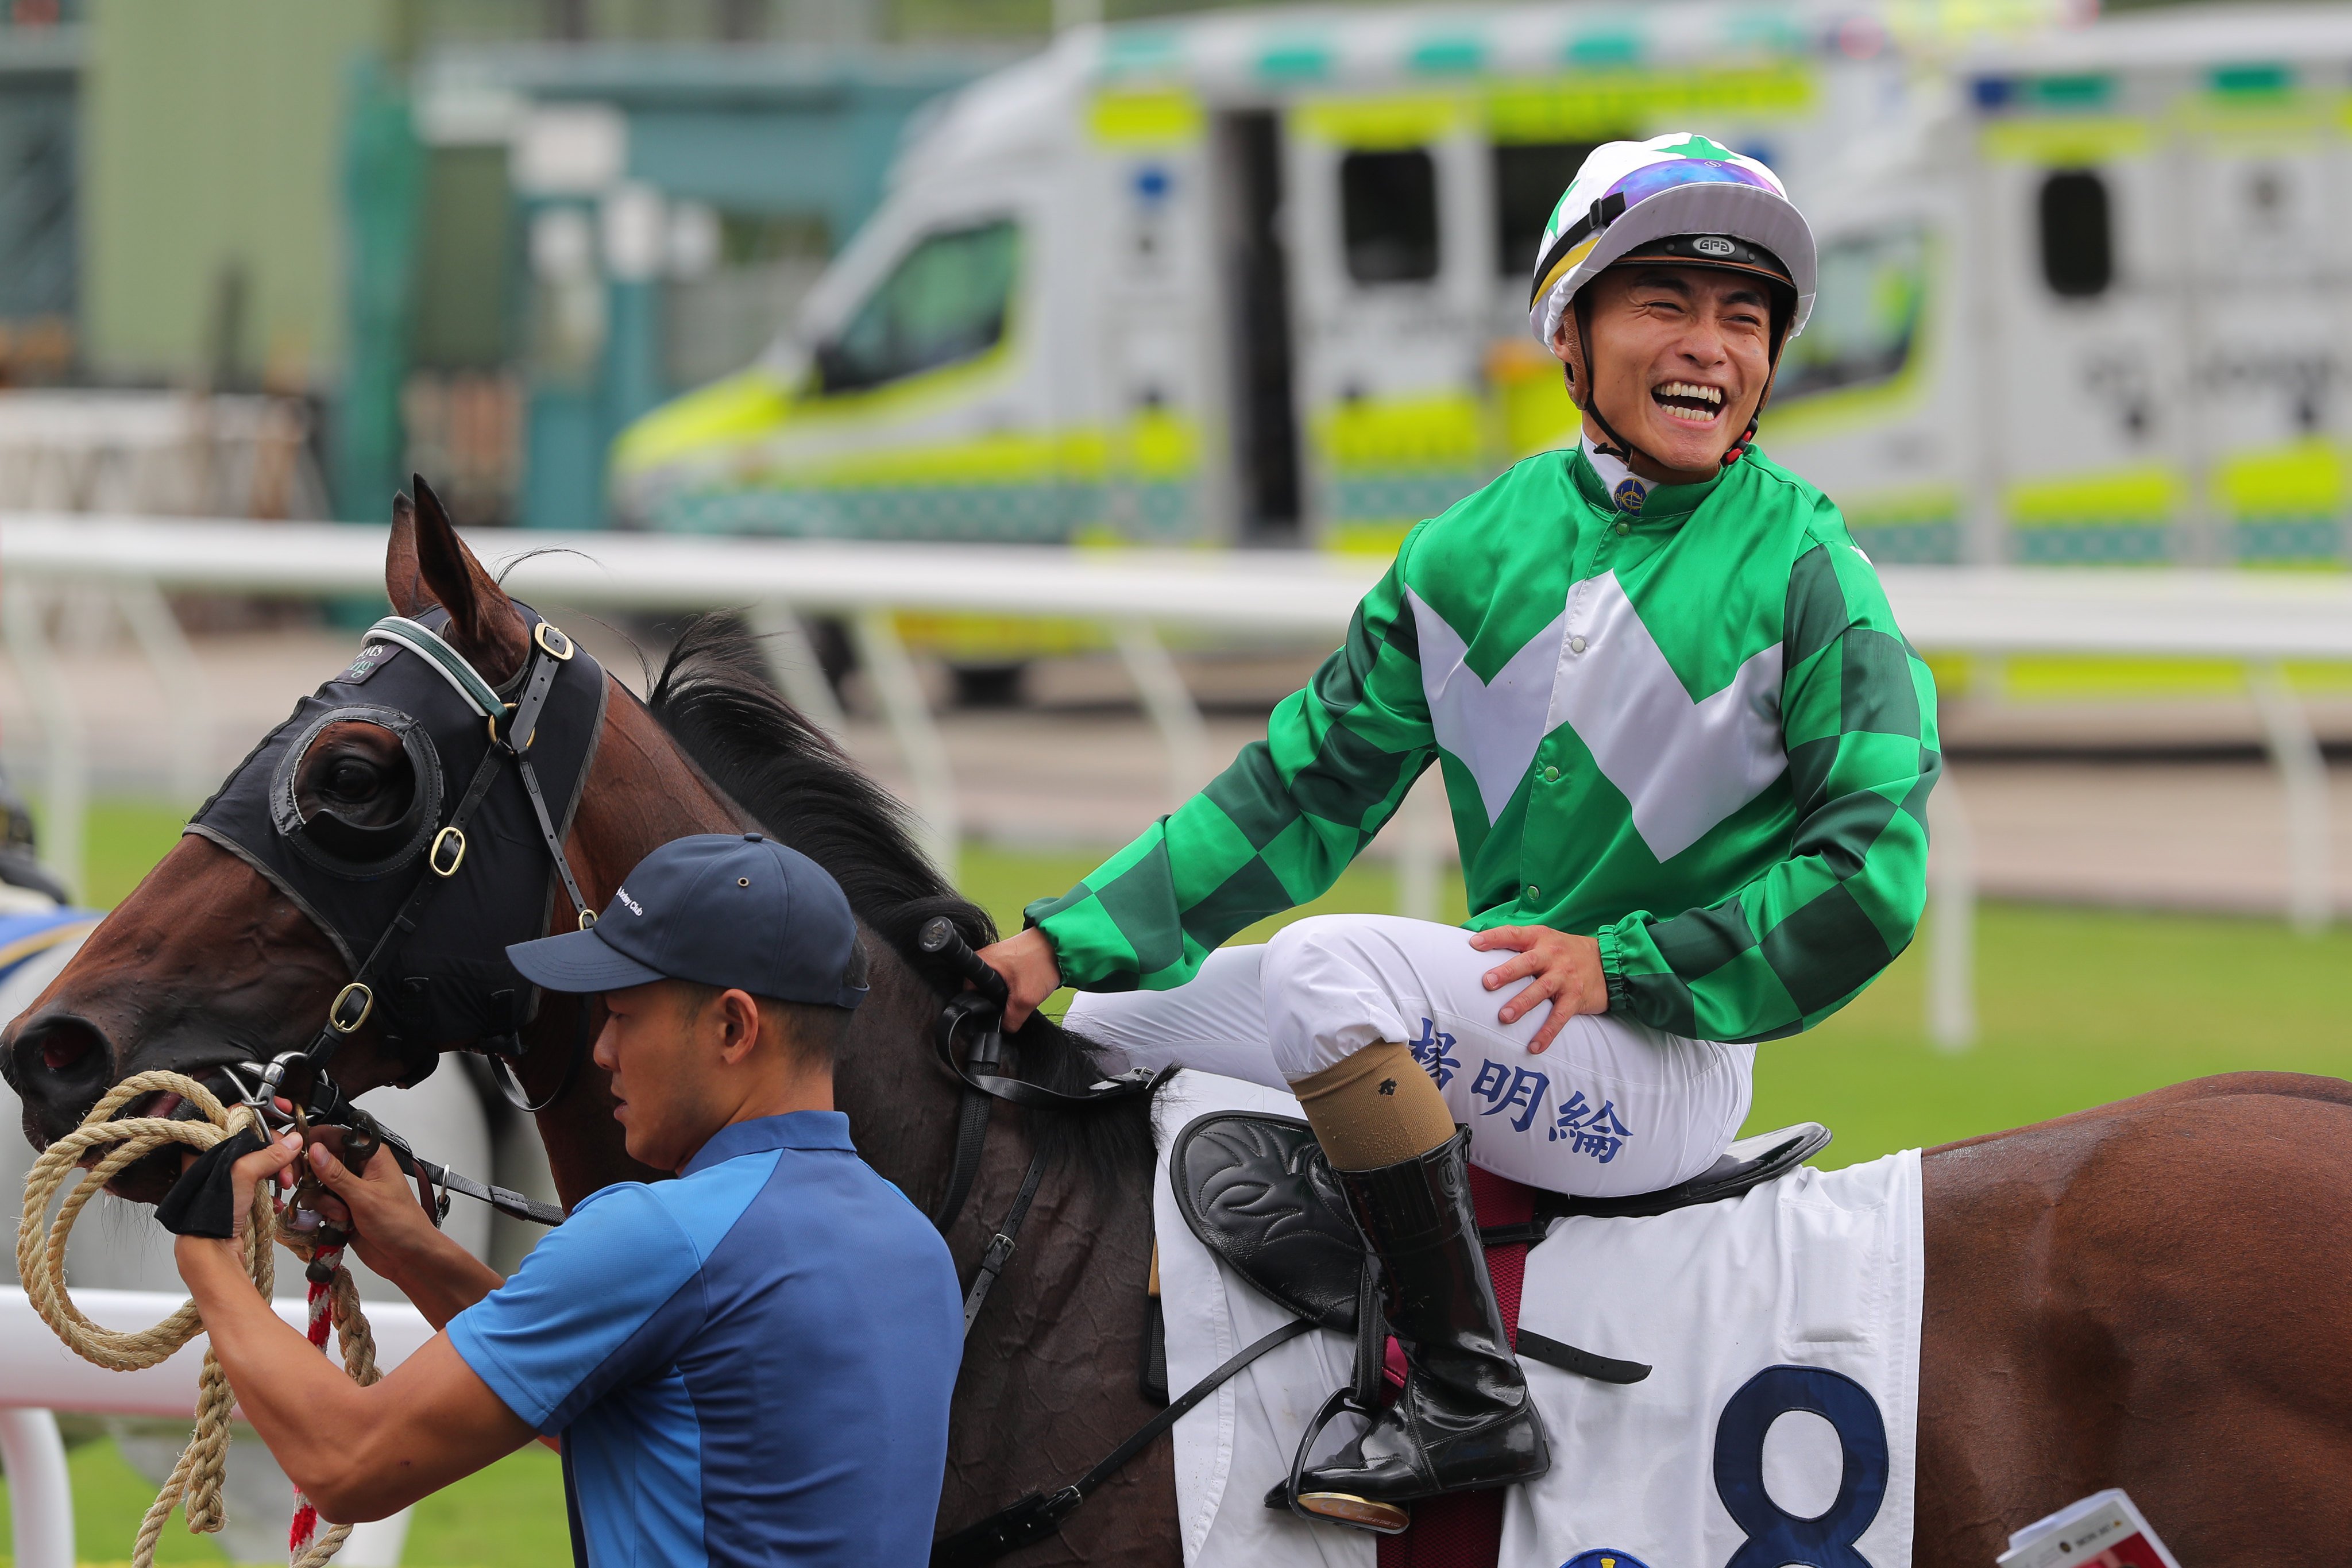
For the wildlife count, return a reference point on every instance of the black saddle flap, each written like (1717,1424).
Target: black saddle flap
(1256,1190)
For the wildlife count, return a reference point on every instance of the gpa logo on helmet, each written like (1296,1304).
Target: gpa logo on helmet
(1713,244)
(1604,1557)
(1628,495)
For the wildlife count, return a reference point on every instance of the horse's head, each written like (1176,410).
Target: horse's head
(238,943)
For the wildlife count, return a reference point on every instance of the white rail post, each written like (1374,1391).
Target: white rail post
(1951,921)
(1168,702)
(900,691)
(2303,774)
(1421,848)
(67,787)
(157,630)
(800,674)
(40,1494)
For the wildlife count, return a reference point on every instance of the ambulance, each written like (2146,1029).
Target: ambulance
(1260,277)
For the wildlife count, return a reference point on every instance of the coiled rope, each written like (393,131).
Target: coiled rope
(195,1480)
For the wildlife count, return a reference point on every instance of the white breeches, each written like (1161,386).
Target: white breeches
(1611,1109)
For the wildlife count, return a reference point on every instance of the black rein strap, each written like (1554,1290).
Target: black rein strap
(978,1014)
(1040,1514)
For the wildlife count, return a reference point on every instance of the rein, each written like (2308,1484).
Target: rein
(979,1014)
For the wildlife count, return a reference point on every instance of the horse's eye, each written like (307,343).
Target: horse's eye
(349,778)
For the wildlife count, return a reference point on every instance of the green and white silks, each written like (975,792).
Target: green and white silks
(1692,731)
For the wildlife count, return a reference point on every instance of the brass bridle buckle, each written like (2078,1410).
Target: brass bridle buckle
(351,1008)
(450,840)
(551,642)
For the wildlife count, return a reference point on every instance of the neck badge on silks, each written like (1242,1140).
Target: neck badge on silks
(447,981)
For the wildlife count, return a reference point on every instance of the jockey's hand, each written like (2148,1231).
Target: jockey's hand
(1562,967)
(1031,974)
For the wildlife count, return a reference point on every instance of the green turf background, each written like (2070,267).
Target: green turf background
(2078,1007)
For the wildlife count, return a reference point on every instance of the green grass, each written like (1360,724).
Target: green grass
(123,840)
(509,1515)
(2078,1007)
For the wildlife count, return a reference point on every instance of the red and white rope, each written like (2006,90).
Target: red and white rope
(305,1525)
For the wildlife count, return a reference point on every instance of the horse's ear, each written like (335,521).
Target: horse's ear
(426,564)
(401,584)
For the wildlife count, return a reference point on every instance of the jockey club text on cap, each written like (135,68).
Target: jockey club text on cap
(743,912)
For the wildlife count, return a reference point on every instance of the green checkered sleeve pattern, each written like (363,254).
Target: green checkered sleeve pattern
(1858,711)
(1271,832)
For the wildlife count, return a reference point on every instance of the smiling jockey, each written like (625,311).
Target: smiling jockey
(1687,754)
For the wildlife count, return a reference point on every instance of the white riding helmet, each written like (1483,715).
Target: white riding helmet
(1692,201)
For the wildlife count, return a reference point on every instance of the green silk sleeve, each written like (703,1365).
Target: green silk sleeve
(1271,832)
(1858,713)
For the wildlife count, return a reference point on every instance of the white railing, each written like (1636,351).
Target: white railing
(2260,620)
(39,1374)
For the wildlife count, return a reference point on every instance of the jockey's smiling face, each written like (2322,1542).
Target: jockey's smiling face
(1684,354)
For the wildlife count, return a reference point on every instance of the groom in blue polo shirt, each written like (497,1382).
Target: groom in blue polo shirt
(751,1363)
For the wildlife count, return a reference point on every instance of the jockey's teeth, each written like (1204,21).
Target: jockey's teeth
(1689,401)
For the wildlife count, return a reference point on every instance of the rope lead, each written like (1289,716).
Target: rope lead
(195,1480)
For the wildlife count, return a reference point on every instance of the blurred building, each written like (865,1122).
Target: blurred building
(589,230)
(470,239)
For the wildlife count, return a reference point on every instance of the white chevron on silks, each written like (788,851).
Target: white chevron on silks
(1682,765)
(1490,727)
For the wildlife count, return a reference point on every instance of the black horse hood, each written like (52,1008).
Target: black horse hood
(447,980)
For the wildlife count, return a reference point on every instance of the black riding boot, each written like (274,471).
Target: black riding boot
(1464,1421)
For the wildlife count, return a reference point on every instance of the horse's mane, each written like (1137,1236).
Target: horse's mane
(714,698)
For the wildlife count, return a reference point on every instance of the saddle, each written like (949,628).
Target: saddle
(1257,1191)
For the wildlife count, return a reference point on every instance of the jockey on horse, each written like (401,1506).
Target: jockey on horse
(1687,754)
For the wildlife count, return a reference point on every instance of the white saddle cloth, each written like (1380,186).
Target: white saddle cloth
(1818,1275)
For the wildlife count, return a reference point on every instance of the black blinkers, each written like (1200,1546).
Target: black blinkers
(445,980)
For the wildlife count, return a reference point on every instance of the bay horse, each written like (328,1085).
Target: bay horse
(2147,1294)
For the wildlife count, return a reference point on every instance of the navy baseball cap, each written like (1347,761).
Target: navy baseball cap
(739,912)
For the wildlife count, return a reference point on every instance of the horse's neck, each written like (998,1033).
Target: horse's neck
(900,1102)
(640,794)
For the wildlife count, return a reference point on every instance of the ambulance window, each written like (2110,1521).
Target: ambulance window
(2078,258)
(1388,213)
(1528,181)
(1870,292)
(946,300)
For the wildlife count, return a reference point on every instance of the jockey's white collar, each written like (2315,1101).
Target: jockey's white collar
(1626,488)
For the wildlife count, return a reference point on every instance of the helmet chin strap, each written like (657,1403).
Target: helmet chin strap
(1616,446)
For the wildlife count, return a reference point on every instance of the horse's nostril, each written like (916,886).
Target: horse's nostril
(62,1045)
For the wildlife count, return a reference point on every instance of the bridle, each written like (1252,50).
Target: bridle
(550,650)
(512,730)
